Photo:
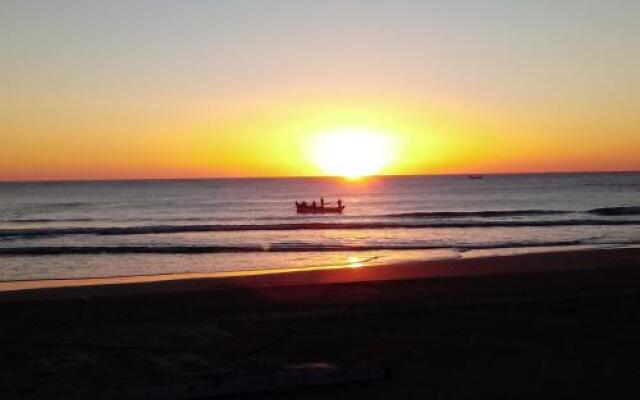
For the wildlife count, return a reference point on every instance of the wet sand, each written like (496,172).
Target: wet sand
(561,324)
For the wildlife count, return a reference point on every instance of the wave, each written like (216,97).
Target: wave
(129,220)
(45,220)
(484,214)
(616,211)
(612,184)
(167,229)
(58,206)
(276,248)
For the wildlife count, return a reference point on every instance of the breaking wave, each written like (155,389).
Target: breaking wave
(165,229)
(45,220)
(616,211)
(484,214)
(310,247)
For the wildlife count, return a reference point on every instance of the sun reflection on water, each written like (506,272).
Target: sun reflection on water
(354,262)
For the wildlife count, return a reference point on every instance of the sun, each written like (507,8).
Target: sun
(352,152)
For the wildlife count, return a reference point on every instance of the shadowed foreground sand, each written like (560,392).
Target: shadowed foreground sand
(553,325)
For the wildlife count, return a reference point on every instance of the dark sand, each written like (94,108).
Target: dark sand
(530,326)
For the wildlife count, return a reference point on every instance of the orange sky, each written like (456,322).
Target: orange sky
(276,140)
(229,89)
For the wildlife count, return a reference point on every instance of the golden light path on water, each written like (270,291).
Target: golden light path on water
(355,262)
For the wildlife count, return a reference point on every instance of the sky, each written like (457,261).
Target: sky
(193,89)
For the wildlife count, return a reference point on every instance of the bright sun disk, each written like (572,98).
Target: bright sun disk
(352,153)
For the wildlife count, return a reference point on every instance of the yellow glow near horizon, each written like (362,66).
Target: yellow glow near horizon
(352,152)
(306,137)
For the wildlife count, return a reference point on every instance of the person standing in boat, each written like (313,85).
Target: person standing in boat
(313,204)
(339,203)
(322,202)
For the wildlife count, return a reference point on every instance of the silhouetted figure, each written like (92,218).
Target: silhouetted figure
(313,204)
(304,203)
(339,203)
(321,201)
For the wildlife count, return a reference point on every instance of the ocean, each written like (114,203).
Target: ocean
(69,230)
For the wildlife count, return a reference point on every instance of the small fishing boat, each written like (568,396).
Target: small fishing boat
(304,208)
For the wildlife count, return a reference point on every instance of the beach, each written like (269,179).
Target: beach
(550,324)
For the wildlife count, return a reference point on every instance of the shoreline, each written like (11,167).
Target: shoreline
(500,267)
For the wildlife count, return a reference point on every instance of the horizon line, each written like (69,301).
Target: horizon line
(87,180)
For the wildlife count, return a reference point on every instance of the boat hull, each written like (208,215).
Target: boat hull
(319,210)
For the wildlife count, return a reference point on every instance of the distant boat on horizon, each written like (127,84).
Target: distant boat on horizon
(476,176)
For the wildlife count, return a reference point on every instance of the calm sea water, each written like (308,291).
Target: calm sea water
(96,229)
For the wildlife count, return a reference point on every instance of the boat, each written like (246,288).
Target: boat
(304,208)
(476,177)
